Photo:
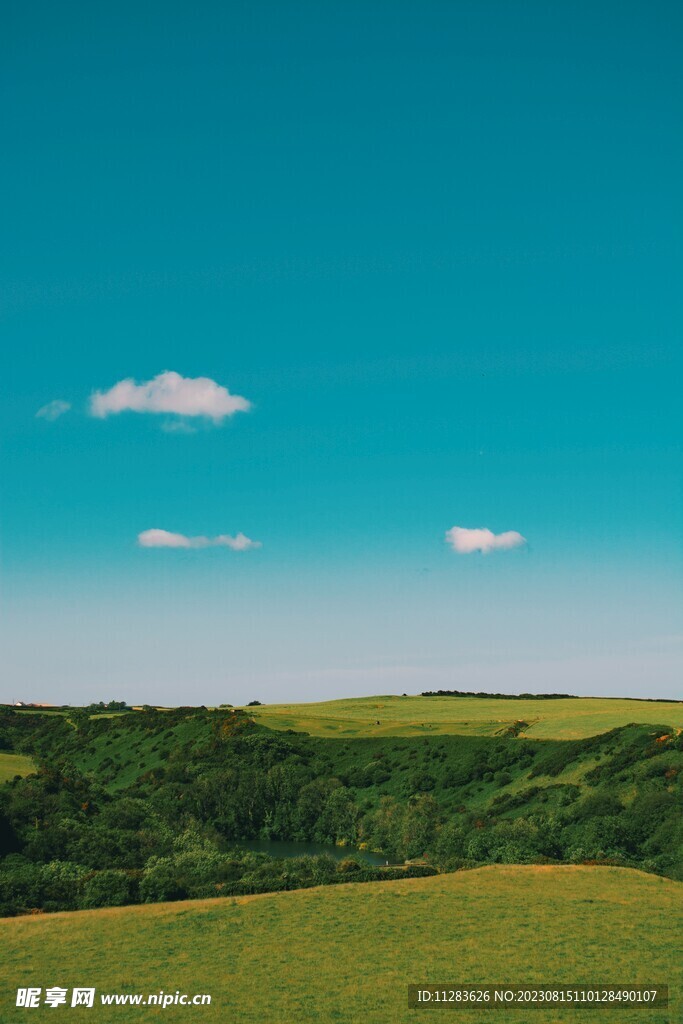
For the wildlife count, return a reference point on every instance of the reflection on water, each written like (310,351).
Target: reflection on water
(285,848)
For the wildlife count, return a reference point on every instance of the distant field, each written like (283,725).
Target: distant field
(347,953)
(15,764)
(34,711)
(414,716)
(59,711)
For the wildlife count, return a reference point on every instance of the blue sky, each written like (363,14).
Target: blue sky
(437,248)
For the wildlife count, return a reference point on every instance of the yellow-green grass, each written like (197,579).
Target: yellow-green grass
(34,711)
(15,764)
(347,953)
(59,711)
(414,716)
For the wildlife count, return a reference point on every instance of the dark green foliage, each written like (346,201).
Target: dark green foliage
(109,888)
(9,842)
(113,705)
(515,729)
(500,696)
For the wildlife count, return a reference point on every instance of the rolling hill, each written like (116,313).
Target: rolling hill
(563,719)
(113,793)
(347,953)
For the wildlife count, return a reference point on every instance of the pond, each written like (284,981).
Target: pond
(285,848)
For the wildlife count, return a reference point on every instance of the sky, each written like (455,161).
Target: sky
(297,296)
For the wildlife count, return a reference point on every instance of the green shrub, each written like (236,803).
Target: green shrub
(110,888)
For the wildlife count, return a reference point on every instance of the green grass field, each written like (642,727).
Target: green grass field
(347,953)
(15,764)
(414,716)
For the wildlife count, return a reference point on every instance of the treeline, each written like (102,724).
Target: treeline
(500,696)
(185,865)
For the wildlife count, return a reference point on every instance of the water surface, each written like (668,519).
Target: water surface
(287,848)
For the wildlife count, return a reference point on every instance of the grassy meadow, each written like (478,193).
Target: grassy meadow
(14,764)
(347,953)
(568,719)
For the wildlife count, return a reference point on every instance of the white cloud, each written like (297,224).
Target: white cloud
(165,539)
(466,541)
(53,410)
(239,542)
(168,392)
(177,427)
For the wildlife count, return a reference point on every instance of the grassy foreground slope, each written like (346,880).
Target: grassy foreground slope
(347,953)
(561,719)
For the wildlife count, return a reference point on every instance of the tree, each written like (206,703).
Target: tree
(339,817)
(419,824)
(160,881)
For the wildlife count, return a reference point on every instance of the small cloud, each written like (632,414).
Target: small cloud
(466,541)
(168,392)
(53,410)
(239,542)
(165,539)
(178,427)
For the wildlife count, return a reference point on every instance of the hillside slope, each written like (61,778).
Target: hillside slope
(347,953)
(564,719)
(113,795)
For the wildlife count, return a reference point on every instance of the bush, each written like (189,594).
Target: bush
(160,881)
(62,883)
(348,866)
(109,888)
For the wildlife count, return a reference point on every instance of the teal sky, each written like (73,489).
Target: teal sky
(437,249)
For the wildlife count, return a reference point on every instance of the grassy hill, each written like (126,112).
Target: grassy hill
(345,954)
(562,719)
